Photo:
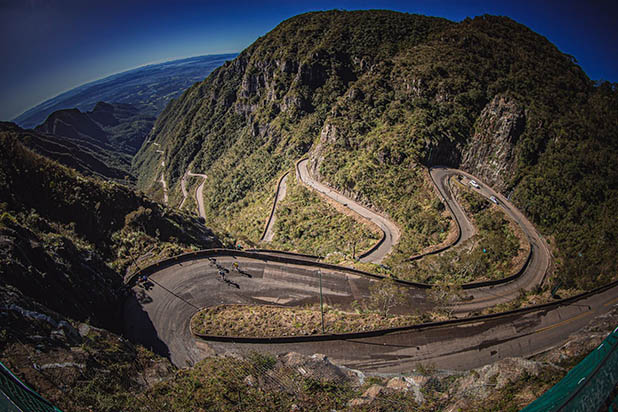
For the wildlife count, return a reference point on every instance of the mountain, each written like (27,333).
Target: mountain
(101,142)
(67,240)
(120,126)
(85,157)
(66,243)
(152,86)
(373,97)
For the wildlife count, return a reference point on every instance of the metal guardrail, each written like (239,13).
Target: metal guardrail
(420,326)
(280,259)
(283,252)
(304,262)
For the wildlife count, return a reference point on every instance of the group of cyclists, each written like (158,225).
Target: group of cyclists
(222,271)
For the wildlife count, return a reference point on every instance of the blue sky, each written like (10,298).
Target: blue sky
(49,46)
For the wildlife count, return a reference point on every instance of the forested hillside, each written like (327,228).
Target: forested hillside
(373,97)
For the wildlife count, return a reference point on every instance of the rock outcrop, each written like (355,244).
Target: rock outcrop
(490,153)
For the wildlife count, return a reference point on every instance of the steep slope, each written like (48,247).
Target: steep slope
(121,126)
(372,97)
(87,158)
(101,141)
(67,240)
(151,86)
(256,115)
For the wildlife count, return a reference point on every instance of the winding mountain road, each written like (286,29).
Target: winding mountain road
(389,229)
(183,188)
(199,193)
(159,316)
(439,177)
(540,259)
(164,183)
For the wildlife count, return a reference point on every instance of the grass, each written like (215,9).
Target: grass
(426,224)
(271,321)
(306,223)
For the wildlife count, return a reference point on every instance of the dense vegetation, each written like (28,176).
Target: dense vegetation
(374,95)
(572,192)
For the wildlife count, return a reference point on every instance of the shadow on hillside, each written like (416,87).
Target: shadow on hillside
(138,327)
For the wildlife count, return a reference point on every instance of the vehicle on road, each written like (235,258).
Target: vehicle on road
(493,199)
(474,184)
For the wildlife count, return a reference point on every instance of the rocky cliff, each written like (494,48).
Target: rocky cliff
(490,152)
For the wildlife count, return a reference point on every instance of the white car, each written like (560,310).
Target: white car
(474,184)
(493,199)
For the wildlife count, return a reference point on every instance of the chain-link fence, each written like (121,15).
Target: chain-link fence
(17,397)
(587,386)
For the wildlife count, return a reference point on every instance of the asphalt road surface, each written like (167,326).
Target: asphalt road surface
(538,266)
(159,318)
(440,176)
(183,187)
(199,194)
(162,180)
(389,229)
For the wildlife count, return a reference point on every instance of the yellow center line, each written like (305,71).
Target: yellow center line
(555,325)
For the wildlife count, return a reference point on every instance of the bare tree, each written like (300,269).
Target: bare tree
(444,295)
(385,295)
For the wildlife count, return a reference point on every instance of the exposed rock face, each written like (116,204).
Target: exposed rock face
(319,367)
(490,152)
(367,397)
(483,381)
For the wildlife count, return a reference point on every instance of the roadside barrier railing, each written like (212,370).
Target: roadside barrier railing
(289,258)
(402,329)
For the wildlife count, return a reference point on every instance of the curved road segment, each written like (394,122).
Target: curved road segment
(537,267)
(183,187)
(199,193)
(162,180)
(440,176)
(159,317)
(389,229)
